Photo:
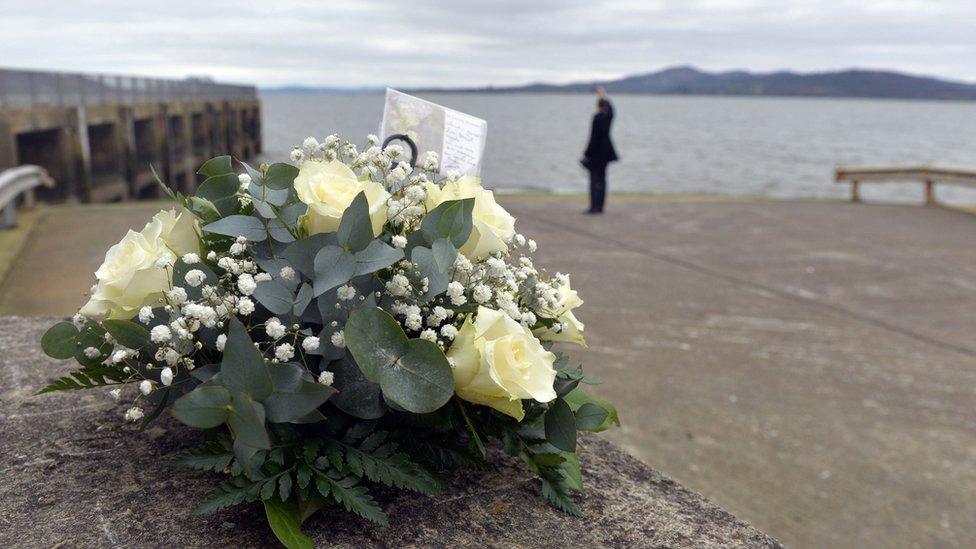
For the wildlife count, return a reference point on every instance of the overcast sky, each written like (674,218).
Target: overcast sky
(465,42)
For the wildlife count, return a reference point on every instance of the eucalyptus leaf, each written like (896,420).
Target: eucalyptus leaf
(293,397)
(301,254)
(219,165)
(205,407)
(280,176)
(180,270)
(413,373)
(436,264)
(377,255)
(357,396)
(355,228)
(421,381)
(242,368)
(451,220)
(128,333)
(274,296)
(375,340)
(60,340)
(302,300)
(333,267)
(248,226)
(221,190)
(246,418)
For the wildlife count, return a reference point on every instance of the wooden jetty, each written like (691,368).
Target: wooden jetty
(929,175)
(97,135)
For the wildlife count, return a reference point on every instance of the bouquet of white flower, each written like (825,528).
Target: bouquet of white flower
(332,331)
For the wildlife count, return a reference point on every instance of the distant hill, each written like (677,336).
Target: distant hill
(691,81)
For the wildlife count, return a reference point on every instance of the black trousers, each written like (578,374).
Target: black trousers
(598,186)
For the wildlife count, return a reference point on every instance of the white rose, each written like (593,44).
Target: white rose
(130,276)
(497,362)
(571,329)
(329,188)
(179,231)
(492,226)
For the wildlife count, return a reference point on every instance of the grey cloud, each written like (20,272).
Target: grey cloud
(468,42)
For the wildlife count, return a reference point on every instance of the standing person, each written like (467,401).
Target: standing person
(599,152)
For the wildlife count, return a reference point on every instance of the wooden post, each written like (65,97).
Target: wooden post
(929,192)
(855,192)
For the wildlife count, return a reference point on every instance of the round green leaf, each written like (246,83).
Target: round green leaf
(205,407)
(274,296)
(375,340)
(421,381)
(60,340)
(590,417)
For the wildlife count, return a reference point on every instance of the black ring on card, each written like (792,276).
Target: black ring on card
(408,141)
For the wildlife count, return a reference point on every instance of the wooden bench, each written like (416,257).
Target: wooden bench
(930,175)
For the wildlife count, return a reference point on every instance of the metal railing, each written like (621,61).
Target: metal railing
(17,181)
(26,88)
(930,175)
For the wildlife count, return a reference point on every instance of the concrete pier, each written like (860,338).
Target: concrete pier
(98,135)
(809,366)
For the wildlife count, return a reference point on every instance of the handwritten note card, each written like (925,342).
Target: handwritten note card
(456,137)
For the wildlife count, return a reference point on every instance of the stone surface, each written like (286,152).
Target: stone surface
(75,476)
(809,366)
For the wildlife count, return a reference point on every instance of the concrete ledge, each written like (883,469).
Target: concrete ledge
(75,476)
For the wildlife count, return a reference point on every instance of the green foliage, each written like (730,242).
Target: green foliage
(589,417)
(577,398)
(436,263)
(214,455)
(59,341)
(355,228)
(293,397)
(205,407)
(248,226)
(128,333)
(377,255)
(412,373)
(301,254)
(382,462)
(451,220)
(218,165)
(561,426)
(280,176)
(333,267)
(357,396)
(274,296)
(242,368)
(286,521)
(350,494)
(221,191)
(181,268)
(87,377)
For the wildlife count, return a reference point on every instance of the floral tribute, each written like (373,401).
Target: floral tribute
(348,323)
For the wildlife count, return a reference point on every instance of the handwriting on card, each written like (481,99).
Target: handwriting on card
(464,143)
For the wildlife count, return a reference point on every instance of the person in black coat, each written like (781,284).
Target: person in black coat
(599,152)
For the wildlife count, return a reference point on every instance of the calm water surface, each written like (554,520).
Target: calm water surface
(776,147)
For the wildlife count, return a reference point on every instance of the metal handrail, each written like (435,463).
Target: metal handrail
(26,88)
(17,181)
(930,175)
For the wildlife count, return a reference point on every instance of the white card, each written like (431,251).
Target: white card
(456,137)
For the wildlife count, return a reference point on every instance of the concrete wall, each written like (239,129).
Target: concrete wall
(102,153)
